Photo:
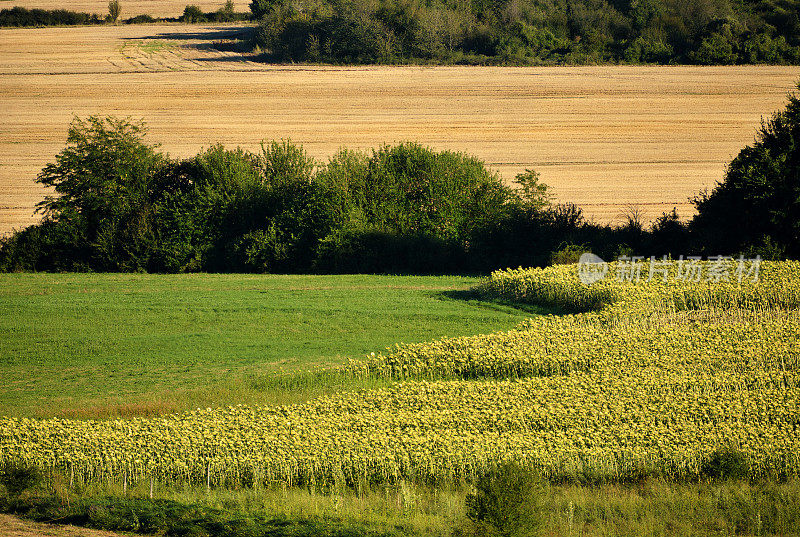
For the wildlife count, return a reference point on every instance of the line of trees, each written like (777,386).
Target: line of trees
(20,17)
(119,204)
(530,31)
(23,17)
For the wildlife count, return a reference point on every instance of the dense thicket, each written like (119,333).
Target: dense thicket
(119,204)
(20,16)
(530,31)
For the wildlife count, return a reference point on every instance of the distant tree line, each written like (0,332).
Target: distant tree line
(22,17)
(119,204)
(530,31)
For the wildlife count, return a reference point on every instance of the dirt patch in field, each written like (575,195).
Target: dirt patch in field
(607,138)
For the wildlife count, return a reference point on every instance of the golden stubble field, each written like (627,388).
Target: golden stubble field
(606,138)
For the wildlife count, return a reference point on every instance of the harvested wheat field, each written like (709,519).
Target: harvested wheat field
(607,138)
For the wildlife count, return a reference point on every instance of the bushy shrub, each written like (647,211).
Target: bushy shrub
(16,478)
(567,254)
(726,463)
(260,8)
(508,502)
(226,13)
(105,191)
(140,19)
(668,236)
(716,49)
(193,14)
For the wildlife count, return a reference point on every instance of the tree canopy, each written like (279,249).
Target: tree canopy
(757,205)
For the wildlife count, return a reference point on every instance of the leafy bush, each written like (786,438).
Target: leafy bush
(19,477)
(726,464)
(260,8)
(226,13)
(193,14)
(140,19)
(568,254)
(106,186)
(669,235)
(644,50)
(507,502)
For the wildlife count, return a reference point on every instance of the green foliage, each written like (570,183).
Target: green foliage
(20,16)
(260,8)
(726,464)
(670,234)
(529,31)
(567,254)
(532,193)
(758,202)
(644,50)
(649,507)
(106,186)
(507,502)
(175,519)
(342,33)
(16,478)
(407,208)
(717,49)
(227,12)
(140,19)
(193,14)
(114,10)
(118,204)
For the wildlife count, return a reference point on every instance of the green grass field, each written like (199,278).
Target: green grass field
(100,345)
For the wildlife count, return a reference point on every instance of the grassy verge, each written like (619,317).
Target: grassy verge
(650,507)
(100,345)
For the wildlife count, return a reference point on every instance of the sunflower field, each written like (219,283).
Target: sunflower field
(647,376)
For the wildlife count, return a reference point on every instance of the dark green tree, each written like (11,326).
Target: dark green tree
(104,183)
(757,205)
(193,14)
(259,8)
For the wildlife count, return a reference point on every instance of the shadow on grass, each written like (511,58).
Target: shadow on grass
(474,299)
(208,34)
(224,39)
